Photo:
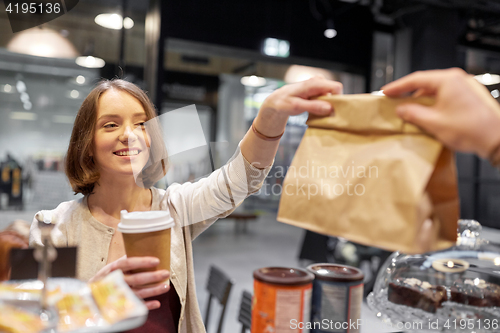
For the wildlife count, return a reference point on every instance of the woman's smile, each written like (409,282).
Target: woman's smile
(128,152)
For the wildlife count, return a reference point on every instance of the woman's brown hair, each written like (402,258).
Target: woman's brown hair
(80,167)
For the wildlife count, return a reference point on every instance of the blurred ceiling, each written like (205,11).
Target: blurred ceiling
(481,17)
(480,24)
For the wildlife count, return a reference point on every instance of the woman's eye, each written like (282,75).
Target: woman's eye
(142,124)
(110,125)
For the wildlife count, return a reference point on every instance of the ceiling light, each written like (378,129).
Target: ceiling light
(114,21)
(80,79)
(74,94)
(90,62)
(298,73)
(18,115)
(21,86)
(488,79)
(7,88)
(25,97)
(495,93)
(42,43)
(276,47)
(128,23)
(271,46)
(330,33)
(253,81)
(63,119)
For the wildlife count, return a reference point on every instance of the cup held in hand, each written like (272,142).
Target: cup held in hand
(147,234)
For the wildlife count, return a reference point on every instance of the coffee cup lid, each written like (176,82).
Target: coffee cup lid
(139,222)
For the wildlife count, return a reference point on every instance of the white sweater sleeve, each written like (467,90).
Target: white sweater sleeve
(201,203)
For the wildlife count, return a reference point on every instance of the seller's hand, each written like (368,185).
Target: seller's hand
(465,117)
(9,240)
(144,285)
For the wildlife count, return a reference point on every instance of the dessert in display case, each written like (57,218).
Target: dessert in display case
(457,289)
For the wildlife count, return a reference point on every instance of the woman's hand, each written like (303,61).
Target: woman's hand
(9,240)
(289,100)
(465,117)
(144,285)
(294,99)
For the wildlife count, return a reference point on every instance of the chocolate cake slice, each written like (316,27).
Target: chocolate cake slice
(417,294)
(475,292)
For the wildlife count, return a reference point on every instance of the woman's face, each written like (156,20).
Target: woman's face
(120,140)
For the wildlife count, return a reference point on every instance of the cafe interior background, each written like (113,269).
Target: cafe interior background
(225,57)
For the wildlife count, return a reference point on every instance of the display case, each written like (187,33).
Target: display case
(457,289)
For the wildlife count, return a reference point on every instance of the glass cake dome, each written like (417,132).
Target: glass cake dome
(452,290)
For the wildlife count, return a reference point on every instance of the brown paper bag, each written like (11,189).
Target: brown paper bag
(365,175)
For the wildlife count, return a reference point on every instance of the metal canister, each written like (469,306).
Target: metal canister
(282,300)
(337,298)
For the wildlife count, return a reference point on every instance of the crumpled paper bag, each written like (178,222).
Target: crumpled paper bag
(365,175)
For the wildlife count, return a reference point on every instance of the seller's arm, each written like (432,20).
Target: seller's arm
(292,99)
(465,116)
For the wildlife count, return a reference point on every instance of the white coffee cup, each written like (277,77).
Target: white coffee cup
(147,234)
